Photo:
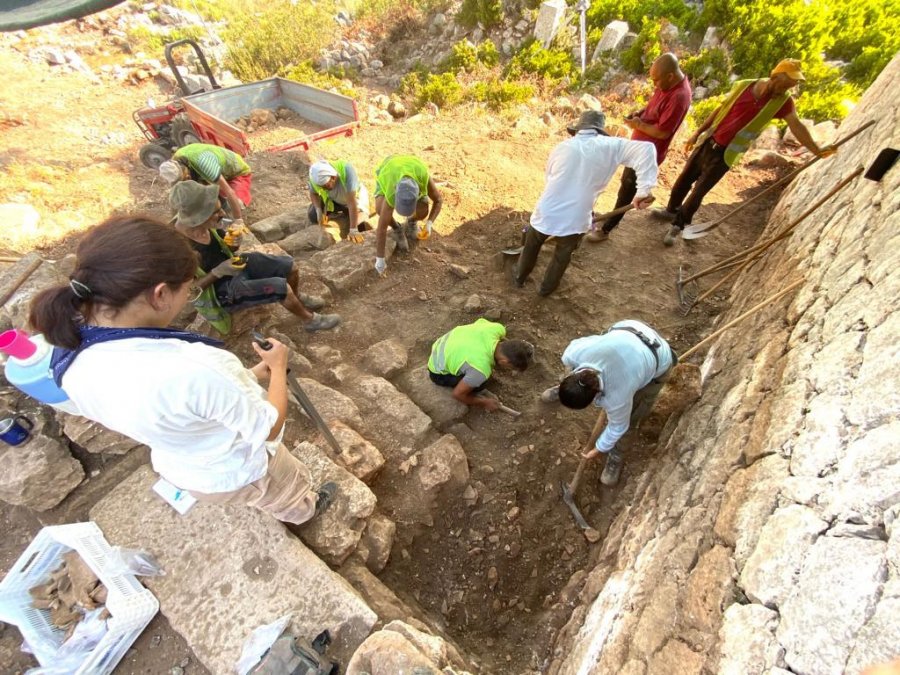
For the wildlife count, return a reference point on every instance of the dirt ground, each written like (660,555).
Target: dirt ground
(490,175)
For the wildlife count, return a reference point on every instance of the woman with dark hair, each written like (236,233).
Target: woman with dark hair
(212,430)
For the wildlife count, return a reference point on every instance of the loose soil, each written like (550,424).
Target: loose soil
(490,176)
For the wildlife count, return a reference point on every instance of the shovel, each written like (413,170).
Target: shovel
(702,229)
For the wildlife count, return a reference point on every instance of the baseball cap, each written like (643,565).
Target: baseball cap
(791,68)
(193,203)
(406,196)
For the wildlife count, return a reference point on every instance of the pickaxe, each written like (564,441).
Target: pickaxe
(569,490)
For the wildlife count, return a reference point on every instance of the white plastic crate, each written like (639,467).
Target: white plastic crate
(130,605)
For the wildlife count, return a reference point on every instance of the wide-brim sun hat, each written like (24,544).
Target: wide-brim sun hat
(193,203)
(590,119)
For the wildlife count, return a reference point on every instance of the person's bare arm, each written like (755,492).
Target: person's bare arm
(354,212)
(650,130)
(232,199)
(436,200)
(463,393)
(276,359)
(317,202)
(802,133)
(703,127)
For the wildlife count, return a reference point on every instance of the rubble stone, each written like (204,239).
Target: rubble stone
(346,265)
(39,473)
(94,437)
(444,465)
(437,402)
(335,533)
(358,456)
(390,412)
(611,38)
(330,404)
(215,595)
(376,542)
(748,640)
(400,648)
(385,358)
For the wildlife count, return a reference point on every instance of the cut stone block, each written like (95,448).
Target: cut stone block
(748,640)
(375,545)
(548,21)
(385,358)
(346,264)
(611,39)
(437,402)
(358,456)
(335,533)
(95,437)
(306,240)
(443,464)
(330,404)
(391,413)
(325,355)
(280,226)
(229,570)
(39,473)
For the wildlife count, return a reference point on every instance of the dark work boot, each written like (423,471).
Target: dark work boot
(613,468)
(325,498)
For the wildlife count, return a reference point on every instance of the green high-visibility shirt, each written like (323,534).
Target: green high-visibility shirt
(209,162)
(396,167)
(467,351)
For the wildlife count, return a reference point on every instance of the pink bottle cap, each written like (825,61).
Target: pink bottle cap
(16,343)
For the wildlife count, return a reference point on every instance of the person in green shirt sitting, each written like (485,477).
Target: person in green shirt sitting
(403,185)
(465,358)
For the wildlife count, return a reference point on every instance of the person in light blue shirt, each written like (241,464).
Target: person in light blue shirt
(621,371)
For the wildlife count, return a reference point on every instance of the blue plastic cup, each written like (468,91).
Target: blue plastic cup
(15,430)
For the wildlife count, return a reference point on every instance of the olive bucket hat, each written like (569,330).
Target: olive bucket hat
(193,203)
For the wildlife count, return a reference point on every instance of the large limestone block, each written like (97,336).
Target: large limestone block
(748,641)
(708,588)
(437,402)
(335,534)
(15,310)
(330,404)
(443,465)
(230,569)
(39,473)
(550,16)
(390,411)
(358,456)
(279,226)
(346,264)
(400,648)
(95,437)
(611,38)
(836,592)
(377,595)
(385,358)
(878,640)
(306,240)
(771,570)
(675,658)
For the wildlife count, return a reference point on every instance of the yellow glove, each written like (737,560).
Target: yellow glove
(424,230)
(355,238)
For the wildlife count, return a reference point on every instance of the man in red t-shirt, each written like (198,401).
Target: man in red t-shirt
(711,159)
(656,123)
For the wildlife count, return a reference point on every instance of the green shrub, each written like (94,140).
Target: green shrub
(463,56)
(334,79)
(488,13)
(868,37)
(488,54)
(443,90)
(601,12)
(700,110)
(265,43)
(638,57)
(824,96)
(143,39)
(549,64)
(499,94)
(709,66)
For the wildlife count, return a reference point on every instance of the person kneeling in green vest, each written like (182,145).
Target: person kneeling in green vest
(403,185)
(465,357)
(727,133)
(336,193)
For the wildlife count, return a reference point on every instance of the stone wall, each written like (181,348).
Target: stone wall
(766,539)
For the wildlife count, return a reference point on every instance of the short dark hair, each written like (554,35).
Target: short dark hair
(578,389)
(518,352)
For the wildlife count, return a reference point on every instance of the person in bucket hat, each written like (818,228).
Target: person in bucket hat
(212,165)
(248,280)
(727,133)
(403,185)
(577,172)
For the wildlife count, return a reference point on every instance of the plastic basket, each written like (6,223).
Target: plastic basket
(130,605)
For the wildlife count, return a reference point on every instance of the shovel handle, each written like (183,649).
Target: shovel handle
(595,434)
(508,410)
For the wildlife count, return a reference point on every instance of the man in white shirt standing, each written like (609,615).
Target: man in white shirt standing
(577,172)
(621,371)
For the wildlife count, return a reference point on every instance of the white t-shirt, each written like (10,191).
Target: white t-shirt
(577,172)
(204,416)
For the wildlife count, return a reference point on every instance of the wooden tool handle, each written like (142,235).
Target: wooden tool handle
(595,434)
(733,322)
(508,410)
(19,280)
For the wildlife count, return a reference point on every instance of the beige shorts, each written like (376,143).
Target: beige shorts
(285,491)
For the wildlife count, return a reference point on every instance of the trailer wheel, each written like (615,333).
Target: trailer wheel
(153,154)
(182,131)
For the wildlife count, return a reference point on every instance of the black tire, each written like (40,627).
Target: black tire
(153,154)
(182,131)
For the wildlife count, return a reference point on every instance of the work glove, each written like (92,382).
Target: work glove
(380,265)
(234,235)
(355,238)
(322,217)
(424,230)
(228,268)
(690,143)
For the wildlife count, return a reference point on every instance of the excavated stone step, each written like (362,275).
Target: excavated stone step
(346,265)
(390,415)
(437,402)
(230,569)
(335,534)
